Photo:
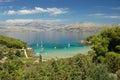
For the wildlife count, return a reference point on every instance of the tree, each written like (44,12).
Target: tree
(106,46)
(113,61)
(40,58)
(18,53)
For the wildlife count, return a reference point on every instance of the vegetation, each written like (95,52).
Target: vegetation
(106,48)
(12,43)
(80,67)
(101,63)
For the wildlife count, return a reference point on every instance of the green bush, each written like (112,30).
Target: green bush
(12,43)
(106,47)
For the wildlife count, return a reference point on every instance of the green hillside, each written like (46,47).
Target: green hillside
(11,48)
(12,43)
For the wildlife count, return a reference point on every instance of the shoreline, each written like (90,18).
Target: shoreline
(50,59)
(85,42)
(55,54)
(63,54)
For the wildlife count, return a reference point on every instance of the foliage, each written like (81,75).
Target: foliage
(12,43)
(40,58)
(118,74)
(106,46)
(12,70)
(89,38)
(79,67)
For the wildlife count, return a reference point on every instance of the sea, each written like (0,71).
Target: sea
(53,44)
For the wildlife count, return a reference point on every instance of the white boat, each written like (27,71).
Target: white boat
(68,45)
(37,44)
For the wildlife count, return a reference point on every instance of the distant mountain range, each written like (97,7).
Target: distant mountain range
(40,26)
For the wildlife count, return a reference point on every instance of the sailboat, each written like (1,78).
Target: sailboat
(41,46)
(68,45)
(55,47)
(37,44)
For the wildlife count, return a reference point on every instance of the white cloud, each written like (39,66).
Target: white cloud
(11,12)
(14,21)
(36,10)
(24,12)
(56,11)
(116,8)
(19,20)
(112,17)
(39,9)
(6,0)
(105,16)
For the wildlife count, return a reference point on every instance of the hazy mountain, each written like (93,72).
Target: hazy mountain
(41,26)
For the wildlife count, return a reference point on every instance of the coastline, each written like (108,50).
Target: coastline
(59,57)
(54,54)
(86,42)
(57,54)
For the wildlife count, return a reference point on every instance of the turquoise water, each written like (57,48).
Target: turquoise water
(61,53)
(52,44)
(59,50)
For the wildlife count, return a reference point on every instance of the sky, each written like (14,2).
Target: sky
(60,11)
